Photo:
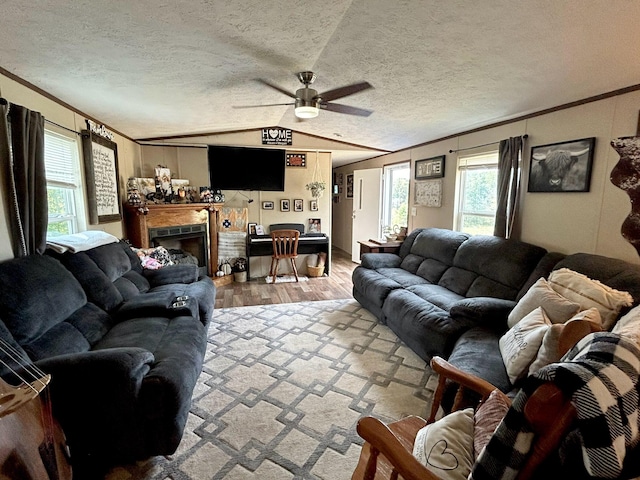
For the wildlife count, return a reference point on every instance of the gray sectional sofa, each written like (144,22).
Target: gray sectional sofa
(449,294)
(124,357)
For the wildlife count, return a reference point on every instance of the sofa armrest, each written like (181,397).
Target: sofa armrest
(157,304)
(487,311)
(380,260)
(94,396)
(182,273)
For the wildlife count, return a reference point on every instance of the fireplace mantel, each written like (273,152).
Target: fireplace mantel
(169,215)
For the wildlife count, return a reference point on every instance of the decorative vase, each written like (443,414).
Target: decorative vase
(626,176)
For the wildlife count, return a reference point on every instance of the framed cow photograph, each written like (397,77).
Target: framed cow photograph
(562,167)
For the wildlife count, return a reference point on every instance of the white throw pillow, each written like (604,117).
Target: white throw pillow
(589,293)
(557,308)
(629,325)
(446,446)
(520,345)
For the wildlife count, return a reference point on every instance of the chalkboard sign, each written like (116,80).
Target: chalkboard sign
(101,171)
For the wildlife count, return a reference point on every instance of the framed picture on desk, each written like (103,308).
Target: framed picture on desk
(251,228)
(314,225)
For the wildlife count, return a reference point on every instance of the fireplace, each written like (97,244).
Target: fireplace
(170,219)
(186,243)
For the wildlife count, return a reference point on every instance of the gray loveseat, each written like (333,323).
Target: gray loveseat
(449,294)
(124,359)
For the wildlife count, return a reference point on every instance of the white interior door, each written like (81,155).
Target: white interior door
(367,201)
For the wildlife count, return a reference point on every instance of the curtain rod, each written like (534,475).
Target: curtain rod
(62,127)
(4,101)
(484,145)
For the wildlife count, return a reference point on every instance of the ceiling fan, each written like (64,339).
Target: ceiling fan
(308,101)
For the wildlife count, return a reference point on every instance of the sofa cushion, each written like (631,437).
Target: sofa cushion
(141,283)
(401,276)
(426,328)
(477,352)
(111,259)
(405,248)
(411,262)
(178,346)
(590,293)
(439,296)
(557,308)
(431,269)
(98,287)
(373,285)
(504,261)
(439,244)
(36,293)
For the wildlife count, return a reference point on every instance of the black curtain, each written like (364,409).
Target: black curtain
(509,159)
(24,181)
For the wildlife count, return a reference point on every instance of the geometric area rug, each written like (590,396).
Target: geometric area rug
(282,389)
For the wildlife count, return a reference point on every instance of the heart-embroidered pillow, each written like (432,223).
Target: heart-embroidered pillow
(446,446)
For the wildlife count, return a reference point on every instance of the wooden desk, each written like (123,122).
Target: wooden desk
(374,246)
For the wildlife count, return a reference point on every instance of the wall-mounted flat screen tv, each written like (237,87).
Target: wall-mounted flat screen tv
(244,168)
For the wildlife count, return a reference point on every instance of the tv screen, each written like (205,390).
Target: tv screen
(242,168)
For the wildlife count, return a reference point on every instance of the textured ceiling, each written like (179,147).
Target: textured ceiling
(163,68)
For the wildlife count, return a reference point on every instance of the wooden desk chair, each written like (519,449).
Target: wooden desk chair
(285,245)
(387,451)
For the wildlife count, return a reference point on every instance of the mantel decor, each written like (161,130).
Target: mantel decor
(101,171)
(430,168)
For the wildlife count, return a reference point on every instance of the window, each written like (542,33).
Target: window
(476,193)
(64,185)
(396,195)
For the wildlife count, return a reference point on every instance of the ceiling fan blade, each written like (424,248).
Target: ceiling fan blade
(339,108)
(344,91)
(266,105)
(276,87)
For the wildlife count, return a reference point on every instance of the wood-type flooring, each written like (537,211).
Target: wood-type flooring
(257,292)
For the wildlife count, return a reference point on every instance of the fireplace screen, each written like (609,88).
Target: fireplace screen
(185,243)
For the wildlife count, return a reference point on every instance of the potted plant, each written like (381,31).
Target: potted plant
(317,188)
(240,270)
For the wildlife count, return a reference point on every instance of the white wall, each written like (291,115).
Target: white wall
(565,222)
(128,151)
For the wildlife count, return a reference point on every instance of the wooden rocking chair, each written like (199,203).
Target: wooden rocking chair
(387,451)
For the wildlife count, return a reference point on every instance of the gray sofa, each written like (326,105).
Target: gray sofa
(449,294)
(124,359)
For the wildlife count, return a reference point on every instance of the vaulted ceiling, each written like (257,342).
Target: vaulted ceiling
(153,69)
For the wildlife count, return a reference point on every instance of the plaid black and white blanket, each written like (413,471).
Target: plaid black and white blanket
(600,374)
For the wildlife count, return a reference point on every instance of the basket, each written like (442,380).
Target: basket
(315,271)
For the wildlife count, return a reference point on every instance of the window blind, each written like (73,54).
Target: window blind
(60,160)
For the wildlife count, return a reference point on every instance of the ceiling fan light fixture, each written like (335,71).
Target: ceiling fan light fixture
(306,111)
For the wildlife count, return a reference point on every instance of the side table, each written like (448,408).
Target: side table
(375,246)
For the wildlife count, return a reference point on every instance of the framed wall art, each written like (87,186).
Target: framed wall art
(313,205)
(101,172)
(285,205)
(562,166)
(267,205)
(350,185)
(298,205)
(296,159)
(430,168)
(429,193)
